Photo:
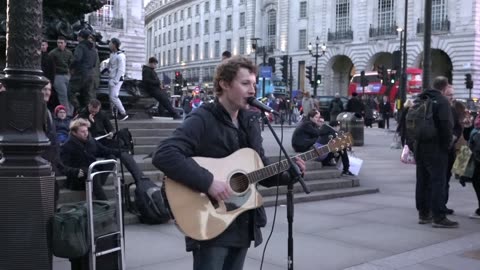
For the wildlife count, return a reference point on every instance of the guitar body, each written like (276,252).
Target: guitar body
(202,218)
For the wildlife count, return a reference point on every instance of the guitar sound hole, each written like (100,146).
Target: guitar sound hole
(239,183)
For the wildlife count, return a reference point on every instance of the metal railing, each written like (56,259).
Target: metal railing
(106,21)
(442,25)
(340,35)
(390,30)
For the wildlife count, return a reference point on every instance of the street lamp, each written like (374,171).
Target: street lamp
(316,55)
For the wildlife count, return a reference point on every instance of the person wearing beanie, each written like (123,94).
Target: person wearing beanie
(81,89)
(116,67)
(62,123)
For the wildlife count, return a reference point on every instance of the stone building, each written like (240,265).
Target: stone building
(189,36)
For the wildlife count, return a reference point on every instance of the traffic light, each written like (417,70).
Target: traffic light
(383,74)
(468,81)
(284,67)
(380,72)
(271,62)
(310,74)
(318,79)
(363,79)
(178,77)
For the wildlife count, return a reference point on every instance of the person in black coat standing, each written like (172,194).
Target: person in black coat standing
(385,109)
(355,105)
(217,130)
(151,84)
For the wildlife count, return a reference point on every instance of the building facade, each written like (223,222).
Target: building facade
(189,36)
(123,19)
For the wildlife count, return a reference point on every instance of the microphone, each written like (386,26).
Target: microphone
(252,101)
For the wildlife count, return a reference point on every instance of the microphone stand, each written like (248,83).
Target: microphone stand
(295,174)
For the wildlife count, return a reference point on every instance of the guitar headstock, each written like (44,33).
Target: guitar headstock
(342,141)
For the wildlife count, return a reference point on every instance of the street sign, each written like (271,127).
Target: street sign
(266,71)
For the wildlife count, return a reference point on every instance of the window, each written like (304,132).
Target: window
(302,39)
(197,52)
(217,48)
(217,25)
(175,17)
(164,38)
(241,45)
(205,50)
(156,26)
(197,9)
(189,53)
(181,54)
(170,19)
(303,9)
(206,29)
(218,5)
(164,59)
(242,2)
(189,12)
(229,45)
(159,40)
(272,27)
(175,35)
(342,16)
(197,29)
(229,3)
(189,31)
(155,42)
(181,33)
(439,13)
(229,22)
(169,37)
(242,19)
(181,15)
(386,15)
(207,7)
(175,56)
(165,21)
(169,59)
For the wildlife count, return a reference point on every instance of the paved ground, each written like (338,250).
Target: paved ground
(368,232)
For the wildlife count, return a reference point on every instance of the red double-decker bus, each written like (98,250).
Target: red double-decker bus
(377,89)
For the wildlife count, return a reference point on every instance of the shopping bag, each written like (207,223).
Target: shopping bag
(396,144)
(407,156)
(463,162)
(355,164)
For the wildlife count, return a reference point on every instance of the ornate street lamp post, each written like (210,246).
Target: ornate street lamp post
(26,180)
(316,55)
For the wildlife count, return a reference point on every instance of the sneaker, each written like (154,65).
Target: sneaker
(349,173)
(445,223)
(122,117)
(424,219)
(476,214)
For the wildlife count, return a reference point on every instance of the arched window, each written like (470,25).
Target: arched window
(272,28)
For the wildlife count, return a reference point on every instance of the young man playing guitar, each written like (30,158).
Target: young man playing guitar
(216,130)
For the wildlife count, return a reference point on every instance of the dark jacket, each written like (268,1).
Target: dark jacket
(150,79)
(84,59)
(336,106)
(209,132)
(307,133)
(443,120)
(355,105)
(102,124)
(457,126)
(385,108)
(48,67)
(79,155)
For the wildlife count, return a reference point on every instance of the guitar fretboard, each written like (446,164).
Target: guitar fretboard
(278,167)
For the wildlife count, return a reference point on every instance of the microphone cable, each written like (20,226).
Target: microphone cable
(276,196)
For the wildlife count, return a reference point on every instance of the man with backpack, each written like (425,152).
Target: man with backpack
(429,123)
(335,108)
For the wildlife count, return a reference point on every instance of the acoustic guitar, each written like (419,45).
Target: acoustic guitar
(202,218)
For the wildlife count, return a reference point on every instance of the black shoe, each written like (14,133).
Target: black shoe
(424,219)
(448,211)
(444,223)
(122,117)
(349,173)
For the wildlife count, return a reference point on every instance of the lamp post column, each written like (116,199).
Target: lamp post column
(27,193)
(316,72)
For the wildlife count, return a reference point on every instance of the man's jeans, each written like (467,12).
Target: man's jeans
(61,88)
(113,92)
(219,258)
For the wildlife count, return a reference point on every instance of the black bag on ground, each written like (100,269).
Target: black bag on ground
(150,203)
(123,139)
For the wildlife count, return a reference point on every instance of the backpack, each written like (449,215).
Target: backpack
(419,120)
(123,139)
(150,203)
(474,144)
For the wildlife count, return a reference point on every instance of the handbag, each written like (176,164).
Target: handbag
(464,164)
(407,156)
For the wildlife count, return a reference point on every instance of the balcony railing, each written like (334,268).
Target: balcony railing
(340,35)
(442,25)
(106,21)
(390,30)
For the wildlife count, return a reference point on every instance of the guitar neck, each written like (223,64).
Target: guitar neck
(281,166)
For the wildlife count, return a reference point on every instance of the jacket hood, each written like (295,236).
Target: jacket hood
(217,109)
(431,93)
(145,67)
